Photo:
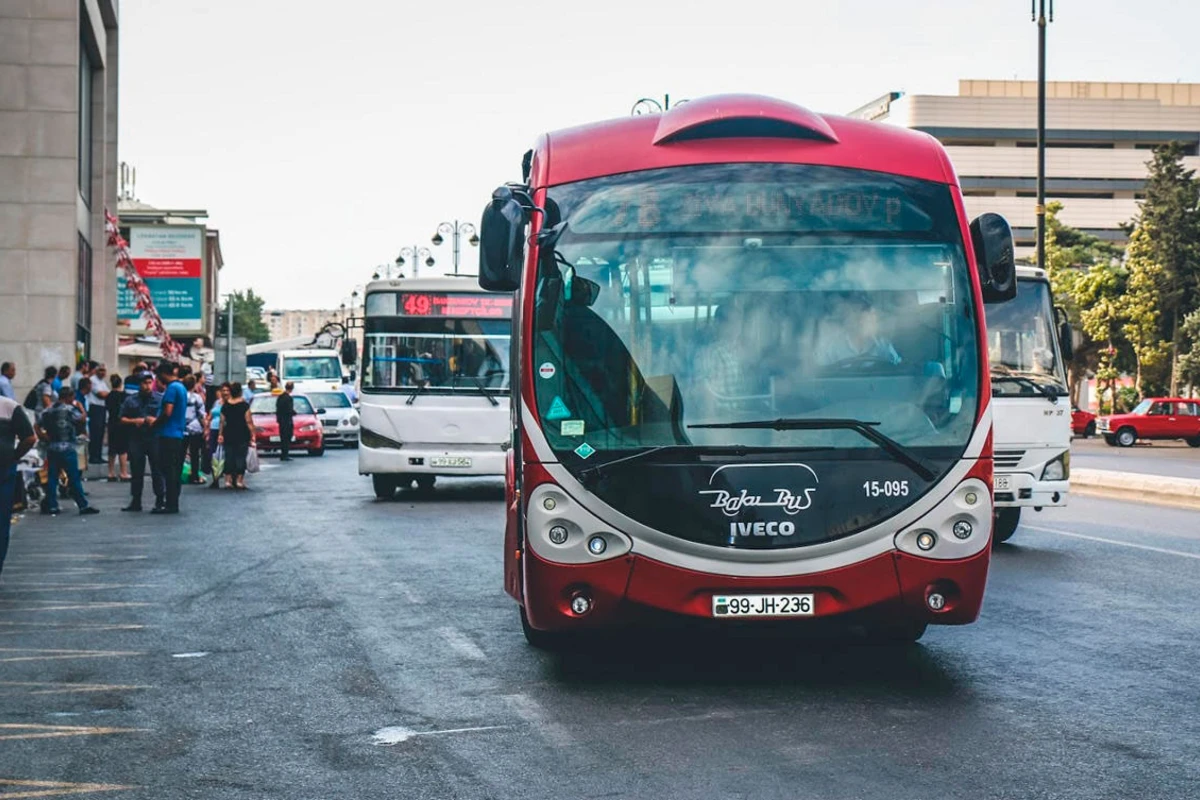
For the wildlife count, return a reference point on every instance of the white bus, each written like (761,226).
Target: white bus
(434,382)
(1031,406)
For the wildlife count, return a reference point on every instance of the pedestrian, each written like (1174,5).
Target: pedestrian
(194,429)
(8,372)
(285,415)
(273,382)
(237,436)
(133,382)
(60,427)
(17,438)
(61,378)
(43,395)
(82,370)
(213,426)
(118,436)
(98,414)
(348,389)
(249,390)
(137,416)
(171,427)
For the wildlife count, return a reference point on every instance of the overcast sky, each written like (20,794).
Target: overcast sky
(322,137)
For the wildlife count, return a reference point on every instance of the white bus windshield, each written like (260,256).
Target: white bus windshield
(301,368)
(1022,346)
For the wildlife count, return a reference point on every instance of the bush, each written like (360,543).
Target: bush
(1127,398)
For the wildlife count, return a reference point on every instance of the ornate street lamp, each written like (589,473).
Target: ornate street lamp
(416,255)
(455,230)
(648,105)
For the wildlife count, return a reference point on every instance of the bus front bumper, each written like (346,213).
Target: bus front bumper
(893,586)
(1022,489)
(417,459)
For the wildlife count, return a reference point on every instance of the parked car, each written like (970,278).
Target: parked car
(1154,418)
(256,374)
(306,428)
(339,418)
(1083,423)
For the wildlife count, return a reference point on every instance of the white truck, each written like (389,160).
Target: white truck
(1028,341)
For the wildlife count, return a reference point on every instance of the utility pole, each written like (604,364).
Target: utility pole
(229,341)
(1038,10)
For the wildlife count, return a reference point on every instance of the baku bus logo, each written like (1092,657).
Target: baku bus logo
(792,498)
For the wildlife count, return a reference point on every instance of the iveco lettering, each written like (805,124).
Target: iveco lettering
(750,373)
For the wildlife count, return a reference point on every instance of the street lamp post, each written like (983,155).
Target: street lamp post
(455,230)
(648,105)
(416,255)
(1038,10)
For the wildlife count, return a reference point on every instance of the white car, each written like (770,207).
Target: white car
(339,417)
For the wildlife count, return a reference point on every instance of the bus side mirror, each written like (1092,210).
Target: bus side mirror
(993,244)
(1066,337)
(349,352)
(501,243)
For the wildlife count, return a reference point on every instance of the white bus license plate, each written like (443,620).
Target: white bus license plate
(764,605)
(1002,483)
(449,461)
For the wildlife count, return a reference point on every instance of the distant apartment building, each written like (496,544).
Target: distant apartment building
(291,323)
(1098,140)
(58,173)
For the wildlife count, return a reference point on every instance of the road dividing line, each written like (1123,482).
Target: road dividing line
(394,735)
(28,687)
(1117,542)
(459,642)
(532,712)
(32,731)
(67,629)
(17,588)
(56,788)
(60,655)
(84,606)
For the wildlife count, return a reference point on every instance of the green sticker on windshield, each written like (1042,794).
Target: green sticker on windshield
(572,427)
(585,450)
(558,409)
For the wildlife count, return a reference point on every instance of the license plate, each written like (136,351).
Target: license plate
(1003,483)
(764,605)
(450,461)
(274,438)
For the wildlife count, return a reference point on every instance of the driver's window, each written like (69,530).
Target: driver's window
(1158,410)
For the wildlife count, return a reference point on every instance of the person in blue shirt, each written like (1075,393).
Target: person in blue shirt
(171,428)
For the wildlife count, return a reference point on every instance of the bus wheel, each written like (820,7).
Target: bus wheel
(1126,437)
(542,640)
(385,486)
(1006,522)
(425,483)
(896,633)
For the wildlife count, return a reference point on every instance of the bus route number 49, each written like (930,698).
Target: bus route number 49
(885,488)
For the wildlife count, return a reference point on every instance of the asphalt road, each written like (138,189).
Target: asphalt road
(1171,458)
(256,645)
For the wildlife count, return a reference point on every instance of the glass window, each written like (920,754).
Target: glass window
(1022,344)
(86,75)
(1159,409)
(1141,408)
(329,399)
(436,353)
(296,368)
(381,303)
(83,297)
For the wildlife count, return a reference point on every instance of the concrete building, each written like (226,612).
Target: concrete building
(1098,138)
(58,172)
(290,323)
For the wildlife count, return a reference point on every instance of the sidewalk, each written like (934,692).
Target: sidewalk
(1137,486)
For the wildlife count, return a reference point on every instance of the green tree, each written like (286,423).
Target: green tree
(1141,311)
(1171,216)
(1189,360)
(247,317)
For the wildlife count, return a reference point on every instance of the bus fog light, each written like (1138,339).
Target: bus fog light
(597,545)
(581,604)
(558,534)
(971,497)
(549,504)
(936,601)
(963,529)
(926,540)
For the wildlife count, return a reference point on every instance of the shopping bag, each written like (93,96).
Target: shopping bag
(252,460)
(218,462)
(187,472)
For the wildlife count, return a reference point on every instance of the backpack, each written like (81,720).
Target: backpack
(34,398)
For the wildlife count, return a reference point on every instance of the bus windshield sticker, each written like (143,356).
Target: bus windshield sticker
(547,370)
(585,451)
(572,427)
(558,410)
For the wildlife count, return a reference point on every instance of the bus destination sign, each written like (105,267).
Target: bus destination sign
(452,304)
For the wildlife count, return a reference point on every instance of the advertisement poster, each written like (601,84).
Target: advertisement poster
(170,259)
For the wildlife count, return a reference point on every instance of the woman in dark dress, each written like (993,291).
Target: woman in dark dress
(118,434)
(237,436)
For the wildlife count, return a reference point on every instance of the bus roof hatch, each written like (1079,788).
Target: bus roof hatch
(726,116)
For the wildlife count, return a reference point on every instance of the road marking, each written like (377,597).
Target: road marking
(70,688)
(532,712)
(56,731)
(85,606)
(56,788)
(80,557)
(53,628)
(60,655)
(1117,542)
(79,587)
(394,735)
(459,642)
(197,654)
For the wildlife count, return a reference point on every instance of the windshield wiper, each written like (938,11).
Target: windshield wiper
(413,398)
(861,427)
(595,471)
(483,390)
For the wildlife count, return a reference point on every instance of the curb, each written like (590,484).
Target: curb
(1137,486)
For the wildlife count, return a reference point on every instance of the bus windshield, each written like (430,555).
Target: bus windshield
(1021,344)
(436,353)
(300,368)
(687,296)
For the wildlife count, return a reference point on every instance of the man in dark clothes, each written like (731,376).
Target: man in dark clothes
(285,413)
(138,414)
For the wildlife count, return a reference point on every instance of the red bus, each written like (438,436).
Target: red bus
(752,369)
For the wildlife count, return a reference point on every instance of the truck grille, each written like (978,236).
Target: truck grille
(1008,459)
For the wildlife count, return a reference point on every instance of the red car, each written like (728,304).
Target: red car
(306,428)
(1154,418)
(1083,423)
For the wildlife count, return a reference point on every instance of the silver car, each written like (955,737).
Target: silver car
(339,418)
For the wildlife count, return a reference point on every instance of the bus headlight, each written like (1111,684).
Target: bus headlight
(1059,468)
(597,545)
(926,540)
(962,530)
(557,534)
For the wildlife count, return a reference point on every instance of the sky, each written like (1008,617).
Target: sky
(323,137)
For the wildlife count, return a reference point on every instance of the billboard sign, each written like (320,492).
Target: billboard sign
(170,259)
